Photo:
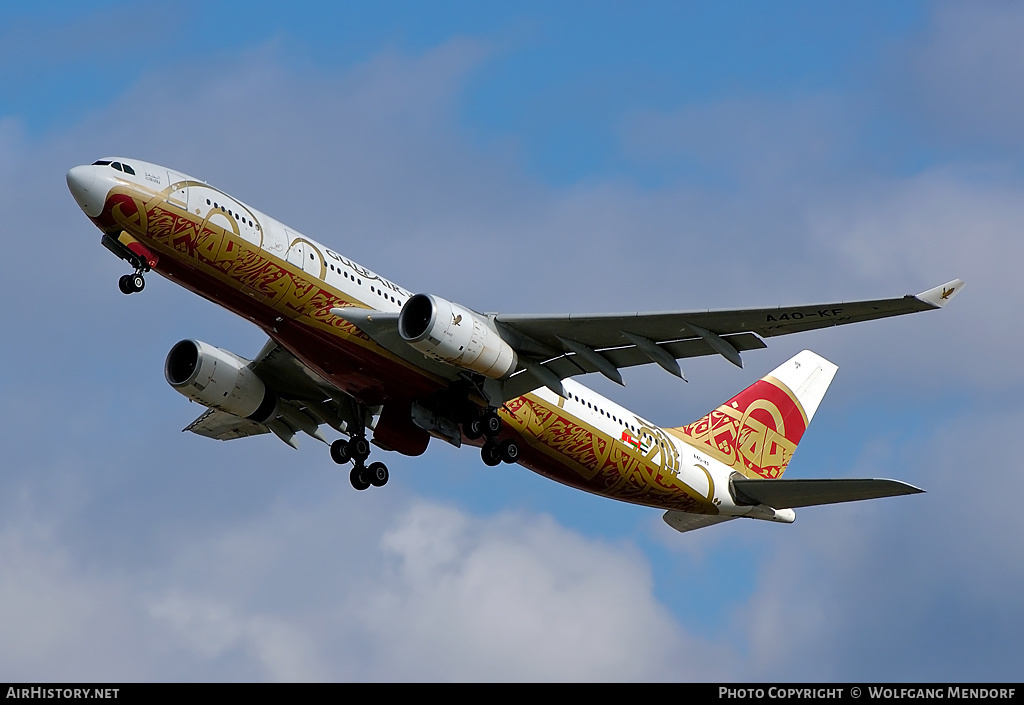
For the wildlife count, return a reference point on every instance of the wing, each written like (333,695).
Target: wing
(551,348)
(576,344)
(305,402)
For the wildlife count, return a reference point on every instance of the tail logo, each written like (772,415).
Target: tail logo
(755,432)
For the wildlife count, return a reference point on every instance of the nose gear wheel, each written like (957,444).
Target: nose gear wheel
(131,283)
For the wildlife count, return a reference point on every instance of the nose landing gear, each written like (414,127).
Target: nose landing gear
(126,247)
(131,283)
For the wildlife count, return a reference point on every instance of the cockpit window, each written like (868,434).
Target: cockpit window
(121,167)
(101,162)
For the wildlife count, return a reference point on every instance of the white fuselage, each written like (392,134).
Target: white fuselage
(657,449)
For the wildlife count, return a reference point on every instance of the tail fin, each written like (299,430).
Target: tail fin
(757,431)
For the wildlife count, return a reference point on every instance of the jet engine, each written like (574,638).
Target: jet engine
(453,334)
(219,379)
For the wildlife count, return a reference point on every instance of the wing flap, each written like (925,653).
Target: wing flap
(571,365)
(223,426)
(792,494)
(685,521)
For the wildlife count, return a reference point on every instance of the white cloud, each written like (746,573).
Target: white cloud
(962,79)
(915,588)
(520,598)
(761,140)
(61,621)
(439,596)
(170,557)
(929,228)
(273,648)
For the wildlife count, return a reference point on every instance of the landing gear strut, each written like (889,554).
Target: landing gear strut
(488,424)
(135,254)
(357,450)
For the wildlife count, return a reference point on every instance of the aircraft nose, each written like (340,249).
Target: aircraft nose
(83,186)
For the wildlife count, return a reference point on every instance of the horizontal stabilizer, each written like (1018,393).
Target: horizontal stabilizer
(791,494)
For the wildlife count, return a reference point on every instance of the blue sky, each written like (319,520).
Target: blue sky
(531,158)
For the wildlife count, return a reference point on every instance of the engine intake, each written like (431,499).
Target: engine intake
(452,334)
(219,379)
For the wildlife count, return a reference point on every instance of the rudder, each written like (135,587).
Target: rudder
(756,432)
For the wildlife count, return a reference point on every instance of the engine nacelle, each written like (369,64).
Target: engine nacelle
(453,334)
(218,379)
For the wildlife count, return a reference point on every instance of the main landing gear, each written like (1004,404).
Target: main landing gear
(131,283)
(494,452)
(357,449)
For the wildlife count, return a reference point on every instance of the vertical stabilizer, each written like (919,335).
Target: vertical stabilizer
(756,432)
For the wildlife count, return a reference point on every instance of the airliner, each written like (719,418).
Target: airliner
(351,353)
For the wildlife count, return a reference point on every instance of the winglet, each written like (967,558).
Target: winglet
(940,295)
